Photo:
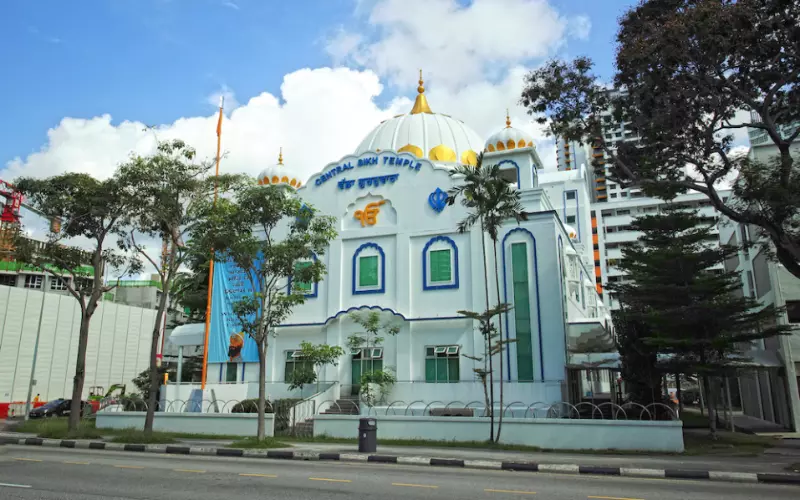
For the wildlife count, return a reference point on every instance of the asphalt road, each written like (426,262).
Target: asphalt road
(44,474)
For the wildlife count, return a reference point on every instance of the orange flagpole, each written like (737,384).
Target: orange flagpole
(211,263)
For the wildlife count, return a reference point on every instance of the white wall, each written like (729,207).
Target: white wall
(236,424)
(553,434)
(118,350)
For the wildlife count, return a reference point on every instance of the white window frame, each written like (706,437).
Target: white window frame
(59,284)
(37,279)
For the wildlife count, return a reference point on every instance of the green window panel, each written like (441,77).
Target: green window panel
(522,311)
(441,366)
(441,266)
(302,286)
(230,372)
(293,363)
(368,271)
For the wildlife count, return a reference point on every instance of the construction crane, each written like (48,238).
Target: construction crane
(10,219)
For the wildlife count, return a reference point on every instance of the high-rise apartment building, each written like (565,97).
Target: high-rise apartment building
(570,155)
(611,224)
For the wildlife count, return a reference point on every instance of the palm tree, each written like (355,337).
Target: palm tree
(491,200)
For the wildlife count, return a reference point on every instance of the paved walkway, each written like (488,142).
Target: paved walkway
(764,463)
(775,460)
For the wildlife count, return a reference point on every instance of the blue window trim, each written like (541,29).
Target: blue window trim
(220,372)
(538,307)
(382,263)
(314,287)
(512,162)
(426,286)
(577,210)
(244,365)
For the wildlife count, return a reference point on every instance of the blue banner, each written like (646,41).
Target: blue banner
(227,342)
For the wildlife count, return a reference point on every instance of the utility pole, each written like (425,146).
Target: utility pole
(35,354)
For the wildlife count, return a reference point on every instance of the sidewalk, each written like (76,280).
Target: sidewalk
(774,460)
(731,464)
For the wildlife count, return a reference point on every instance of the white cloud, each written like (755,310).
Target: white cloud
(580,27)
(454,43)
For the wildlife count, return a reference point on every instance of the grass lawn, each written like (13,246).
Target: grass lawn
(56,428)
(253,443)
(698,442)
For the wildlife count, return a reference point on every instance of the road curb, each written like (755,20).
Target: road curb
(574,469)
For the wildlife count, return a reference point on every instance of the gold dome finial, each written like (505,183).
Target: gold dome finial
(508,119)
(421,104)
(280,156)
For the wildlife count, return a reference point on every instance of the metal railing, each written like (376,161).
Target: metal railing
(514,409)
(305,410)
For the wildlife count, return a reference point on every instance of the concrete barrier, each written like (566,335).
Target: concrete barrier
(555,434)
(237,424)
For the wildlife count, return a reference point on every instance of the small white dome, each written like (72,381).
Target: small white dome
(571,232)
(509,138)
(278,174)
(425,134)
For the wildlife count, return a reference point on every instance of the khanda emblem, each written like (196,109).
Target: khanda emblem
(437,200)
(369,216)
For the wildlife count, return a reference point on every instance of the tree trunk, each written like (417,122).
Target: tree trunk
(678,392)
(500,342)
(712,410)
(488,357)
(80,373)
(262,382)
(154,378)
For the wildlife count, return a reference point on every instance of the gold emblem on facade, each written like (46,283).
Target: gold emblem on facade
(369,216)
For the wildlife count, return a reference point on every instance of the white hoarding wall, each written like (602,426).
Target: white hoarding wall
(118,349)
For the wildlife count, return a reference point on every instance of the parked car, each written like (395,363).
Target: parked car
(58,408)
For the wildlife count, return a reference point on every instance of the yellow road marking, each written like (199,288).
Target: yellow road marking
(258,475)
(517,492)
(614,498)
(190,470)
(331,480)
(129,467)
(27,459)
(416,485)
(76,463)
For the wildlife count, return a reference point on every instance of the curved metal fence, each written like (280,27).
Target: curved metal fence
(515,409)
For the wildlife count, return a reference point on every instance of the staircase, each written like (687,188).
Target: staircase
(344,406)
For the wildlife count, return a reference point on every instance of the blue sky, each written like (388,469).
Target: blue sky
(155,61)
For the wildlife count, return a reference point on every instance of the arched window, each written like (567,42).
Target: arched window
(369,269)
(439,264)
(309,289)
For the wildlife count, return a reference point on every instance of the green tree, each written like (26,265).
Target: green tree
(265,231)
(373,336)
(491,201)
(96,212)
(496,345)
(320,356)
(164,190)
(688,67)
(686,307)
(300,377)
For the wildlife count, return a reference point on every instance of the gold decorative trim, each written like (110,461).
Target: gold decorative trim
(501,146)
(469,157)
(511,144)
(410,148)
(421,103)
(490,148)
(442,153)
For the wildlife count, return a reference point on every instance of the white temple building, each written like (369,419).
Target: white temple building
(398,251)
